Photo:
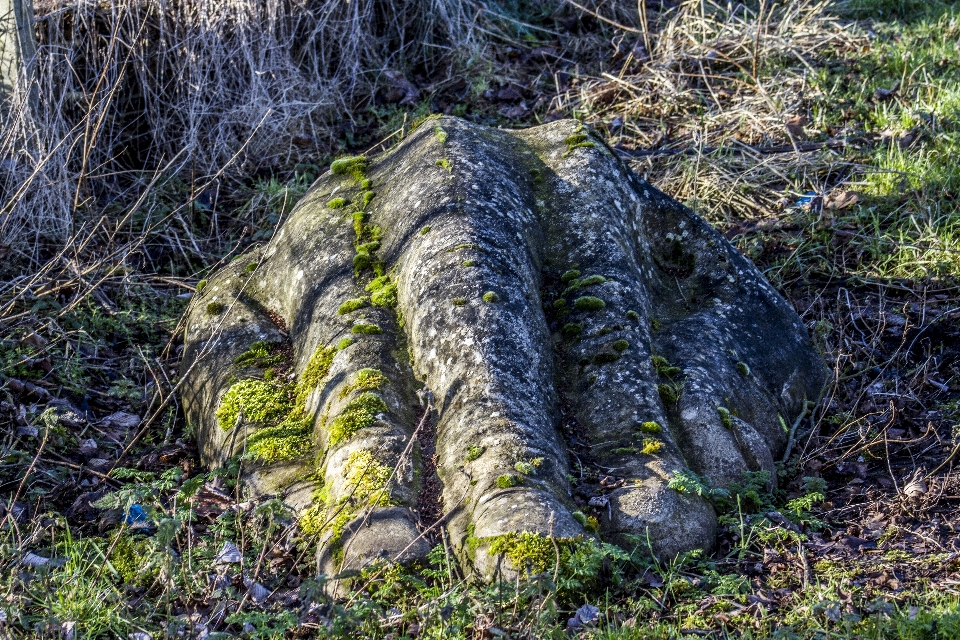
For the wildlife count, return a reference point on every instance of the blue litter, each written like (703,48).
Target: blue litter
(135,514)
(806,198)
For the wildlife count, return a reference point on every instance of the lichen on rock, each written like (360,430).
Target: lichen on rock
(509,273)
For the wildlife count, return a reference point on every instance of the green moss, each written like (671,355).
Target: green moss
(743,368)
(655,324)
(527,550)
(366,329)
(366,183)
(366,486)
(570,290)
(621,346)
(344,343)
(361,261)
(605,357)
(367,197)
(726,418)
(633,315)
(625,450)
(588,303)
(352,305)
(571,330)
(131,558)
(507,481)
(288,440)
(258,355)
(378,283)
(366,380)
(251,267)
(355,166)
(651,427)
(385,297)
(368,247)
(474,452)
(459,301)
(337,203)
(359,218)
(317,369)
(367,478)
(491,297)
(525,468)
(668,394)
(605,331)
(663,366)
(569,276)
(592,280)
(651,446)
(258,401)
(440,133)
(577,141)
(443,163)
(424,231)
(360,413)
(468,263)
(559,303)
(215,308)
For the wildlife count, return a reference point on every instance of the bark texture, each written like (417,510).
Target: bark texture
(538,292)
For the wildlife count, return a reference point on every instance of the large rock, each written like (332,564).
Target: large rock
(545,297)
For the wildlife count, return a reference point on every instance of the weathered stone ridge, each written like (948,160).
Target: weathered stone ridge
(525,278)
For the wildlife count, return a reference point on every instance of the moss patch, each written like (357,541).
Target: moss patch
(360,413)
(260,354)
(507,480)
(491,297)
(286,441)
(344,343)
(651,446)
(337,203)
(577,141)
(215,308)
(352,305)
(354,166)
(743,368)
(588,303)
(571,330)
(474,452)
(726,418)
(621,345)
(366,380)
(668,394)
(384,292)
(651,427)
(258,401)
(663,367)
(366,329)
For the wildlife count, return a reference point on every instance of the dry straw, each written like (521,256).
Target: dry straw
(744,70)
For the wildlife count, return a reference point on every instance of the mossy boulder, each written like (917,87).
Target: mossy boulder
(663,323)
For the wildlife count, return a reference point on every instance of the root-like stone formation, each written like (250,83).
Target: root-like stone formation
(549,275)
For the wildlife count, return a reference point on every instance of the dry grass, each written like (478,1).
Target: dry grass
(193,88)
(728,90)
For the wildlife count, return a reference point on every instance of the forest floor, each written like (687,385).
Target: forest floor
(821,139)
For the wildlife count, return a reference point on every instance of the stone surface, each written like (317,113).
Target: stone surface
(669,352)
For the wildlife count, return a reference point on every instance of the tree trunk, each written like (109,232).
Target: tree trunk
(18,53)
